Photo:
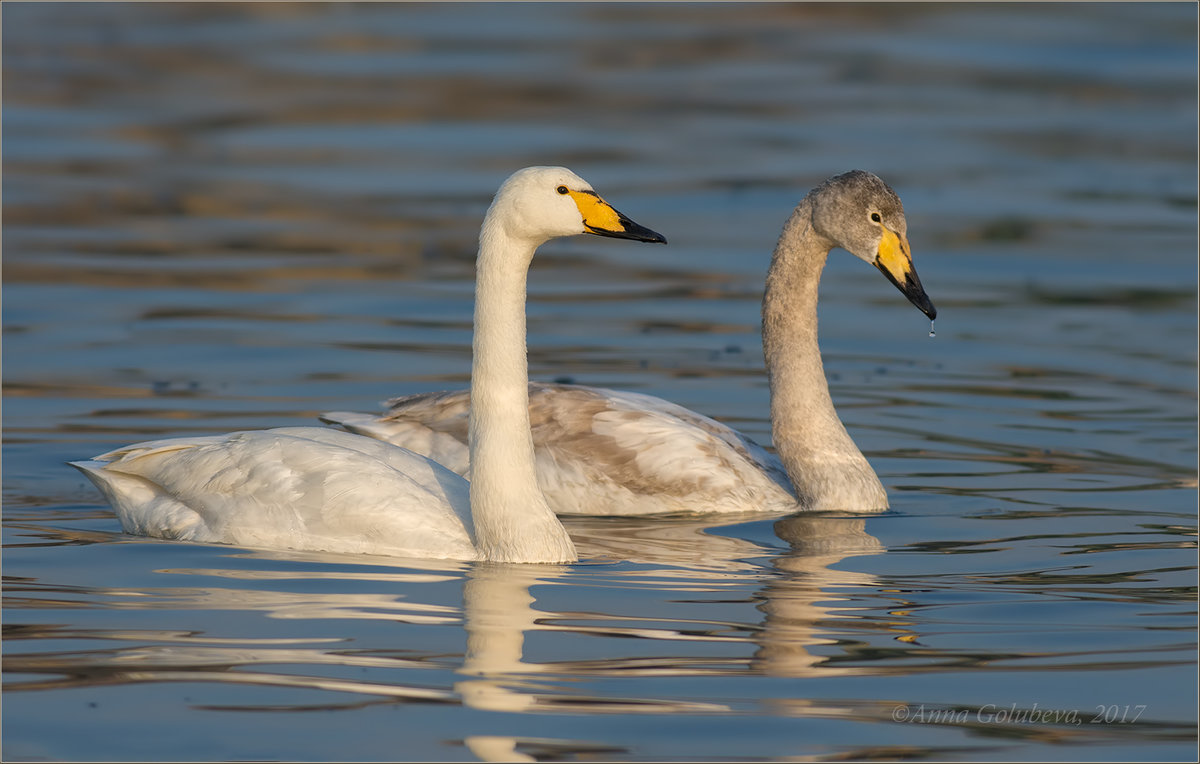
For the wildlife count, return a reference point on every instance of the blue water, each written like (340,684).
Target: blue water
(221,217)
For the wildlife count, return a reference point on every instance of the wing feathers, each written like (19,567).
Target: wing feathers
(602,451)
(303,487)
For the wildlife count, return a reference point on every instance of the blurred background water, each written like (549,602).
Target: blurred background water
(228,216)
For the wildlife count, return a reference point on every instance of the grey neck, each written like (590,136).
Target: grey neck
(826,468)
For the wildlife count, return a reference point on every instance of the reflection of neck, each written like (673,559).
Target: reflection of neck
(497,610)
(495,748)
(825,466)
(800,604)
(512,520)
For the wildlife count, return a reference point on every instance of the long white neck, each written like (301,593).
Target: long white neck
(826,468)
(512,521)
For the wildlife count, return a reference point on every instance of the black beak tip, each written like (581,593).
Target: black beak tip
(630,230)
(641,232)
(912,289)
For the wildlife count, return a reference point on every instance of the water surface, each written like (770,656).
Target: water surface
(220,217)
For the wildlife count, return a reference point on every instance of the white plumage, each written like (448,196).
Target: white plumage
(291,487)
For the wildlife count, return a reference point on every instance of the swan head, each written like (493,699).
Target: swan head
(860,213)
(541,203)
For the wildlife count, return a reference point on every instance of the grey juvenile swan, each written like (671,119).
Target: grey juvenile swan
(606,452)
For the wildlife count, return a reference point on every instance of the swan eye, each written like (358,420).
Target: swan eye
(875,217)
(561,189)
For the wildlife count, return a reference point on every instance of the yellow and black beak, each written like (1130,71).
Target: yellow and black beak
(896,263)
(601,219)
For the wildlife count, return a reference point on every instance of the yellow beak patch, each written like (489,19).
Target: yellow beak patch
(894,257)
(597,214)
(894,260)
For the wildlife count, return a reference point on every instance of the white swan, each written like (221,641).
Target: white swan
(617,453)
(315,488)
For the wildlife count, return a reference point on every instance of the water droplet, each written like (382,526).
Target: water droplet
(932,333)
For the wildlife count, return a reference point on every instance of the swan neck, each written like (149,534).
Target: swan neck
(825,466)
(512,520)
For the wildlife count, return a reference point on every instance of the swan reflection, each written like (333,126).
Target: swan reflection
(797,598)
(650,586)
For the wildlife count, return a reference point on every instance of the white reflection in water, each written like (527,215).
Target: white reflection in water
(498,612)
(291,605)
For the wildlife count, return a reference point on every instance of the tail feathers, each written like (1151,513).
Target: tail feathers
(112,459)
(143,508)
(359,424)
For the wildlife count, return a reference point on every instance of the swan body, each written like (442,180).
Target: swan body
(289,487)
(604,452)
(321,489)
